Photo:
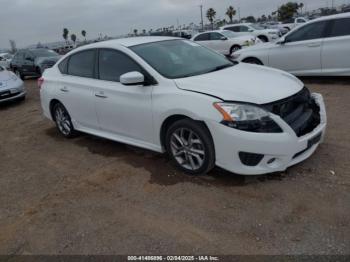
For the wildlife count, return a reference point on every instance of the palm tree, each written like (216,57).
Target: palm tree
(231,12)
(83,33)
(65,34)
(73,37)
(301,6)
(211,13)
(135,31)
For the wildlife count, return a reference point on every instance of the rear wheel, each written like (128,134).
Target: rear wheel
(190,146)
(63,121)
(253,60)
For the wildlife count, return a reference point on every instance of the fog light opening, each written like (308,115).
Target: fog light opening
(271,161)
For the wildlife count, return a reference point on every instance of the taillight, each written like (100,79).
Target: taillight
(40,82)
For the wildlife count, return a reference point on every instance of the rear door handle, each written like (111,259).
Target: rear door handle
(314,45)
(64,89)
(101,95)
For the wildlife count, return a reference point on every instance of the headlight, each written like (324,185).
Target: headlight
(247,118)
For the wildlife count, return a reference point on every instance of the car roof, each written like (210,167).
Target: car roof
(128,42)
(343,15)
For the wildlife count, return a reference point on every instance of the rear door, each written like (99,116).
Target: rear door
(301,54)
(336,48)
(203,39)
(77,88)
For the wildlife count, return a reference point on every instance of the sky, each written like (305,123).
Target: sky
(32,21)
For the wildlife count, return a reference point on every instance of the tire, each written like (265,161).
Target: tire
(63,121)
(263,38)
(253,61)
(234,49)
(19,74)
(190,146)
(38,71)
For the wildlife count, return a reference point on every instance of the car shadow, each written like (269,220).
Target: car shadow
(161,169)
(10,104)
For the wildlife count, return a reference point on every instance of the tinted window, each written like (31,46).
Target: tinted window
(202,37)
(215,36)
(233,28)
(341,27)
(63,66)
(82,64)
(243,28)
(308,32)
(113,64)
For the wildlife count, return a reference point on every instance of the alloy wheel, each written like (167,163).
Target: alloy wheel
(63,120)
(187,149)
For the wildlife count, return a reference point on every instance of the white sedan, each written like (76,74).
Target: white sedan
(319,47)
(224,41)
(176,96)
(11,87)
(265,35)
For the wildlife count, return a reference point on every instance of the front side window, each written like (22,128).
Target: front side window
(82,64)
(244,28)
(181,58)
(340,27)
(308,32)
(113,64)
(202,37)
(233,28)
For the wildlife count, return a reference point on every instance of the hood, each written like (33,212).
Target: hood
(244,83)
(261,46)
(40,60)
(244,38)
(5,75)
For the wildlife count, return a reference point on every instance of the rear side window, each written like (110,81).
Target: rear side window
(63,66)
(341,27)
(215,36)
(82,64)
(233,28)
(112,64)
(202,37)
(308,32)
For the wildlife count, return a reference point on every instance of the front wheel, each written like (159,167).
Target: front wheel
(234,48)
(63,121)
(191,147)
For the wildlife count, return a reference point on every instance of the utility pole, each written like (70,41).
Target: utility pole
(202,23)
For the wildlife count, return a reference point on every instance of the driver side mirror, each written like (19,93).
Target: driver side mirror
(250,30)
(223,38)
(132,79)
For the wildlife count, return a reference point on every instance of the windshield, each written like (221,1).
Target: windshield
(228,34)
(181,58)
(257,27)
(43,52)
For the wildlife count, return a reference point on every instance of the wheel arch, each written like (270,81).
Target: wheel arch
(252,57)
(172,119)
(53,102)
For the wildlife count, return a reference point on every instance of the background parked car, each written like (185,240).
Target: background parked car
(11,87)
(33,62)
(5,60)
(294,22)
(224,41)
(277,26)
(320,47)
(265,35)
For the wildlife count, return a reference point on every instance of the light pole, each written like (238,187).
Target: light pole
(201,7)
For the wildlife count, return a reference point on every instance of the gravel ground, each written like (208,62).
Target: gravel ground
(92,196)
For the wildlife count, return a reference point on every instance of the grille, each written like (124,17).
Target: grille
(299,111)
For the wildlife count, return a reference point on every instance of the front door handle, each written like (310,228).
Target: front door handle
(101,95)
(64,89)
(314,45)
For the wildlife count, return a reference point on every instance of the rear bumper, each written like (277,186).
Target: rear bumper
(285,149)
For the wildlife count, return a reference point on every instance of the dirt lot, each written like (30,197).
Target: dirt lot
(92,196)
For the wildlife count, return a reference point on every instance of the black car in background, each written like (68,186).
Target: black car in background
(33,62)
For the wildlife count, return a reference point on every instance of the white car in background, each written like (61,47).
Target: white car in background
(320,47)
(265,35)
(5,60)
(224,41)
(176,96)
(294,22)
(11,87)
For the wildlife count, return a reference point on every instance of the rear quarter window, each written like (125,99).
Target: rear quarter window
(63,66)
(82,64)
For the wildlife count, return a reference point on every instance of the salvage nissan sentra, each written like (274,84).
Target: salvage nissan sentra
(175,96)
